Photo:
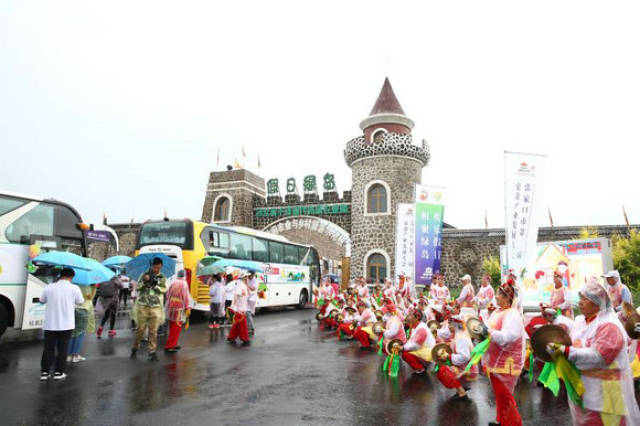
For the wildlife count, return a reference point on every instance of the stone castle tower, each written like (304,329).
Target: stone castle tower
(385,166)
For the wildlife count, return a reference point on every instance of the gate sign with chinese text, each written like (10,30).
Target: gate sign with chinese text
(429,217)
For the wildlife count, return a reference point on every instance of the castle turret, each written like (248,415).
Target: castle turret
(385,165)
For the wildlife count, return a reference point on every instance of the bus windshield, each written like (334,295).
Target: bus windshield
(175,233)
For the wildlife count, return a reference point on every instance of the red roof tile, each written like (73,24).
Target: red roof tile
(387,101)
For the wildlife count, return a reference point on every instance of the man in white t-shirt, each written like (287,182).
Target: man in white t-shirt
(61,299)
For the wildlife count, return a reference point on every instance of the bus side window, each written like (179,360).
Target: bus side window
(291,254)
(276,254)
(215,242)
(260,250)
(240,247)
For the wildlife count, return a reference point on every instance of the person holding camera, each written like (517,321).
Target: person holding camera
(148,307)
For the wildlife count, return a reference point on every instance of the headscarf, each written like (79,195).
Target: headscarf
(595,292)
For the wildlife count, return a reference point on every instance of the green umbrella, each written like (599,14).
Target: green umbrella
(206,266)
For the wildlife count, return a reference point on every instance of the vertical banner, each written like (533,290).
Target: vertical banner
(405,240)
(522,201)
(428,229)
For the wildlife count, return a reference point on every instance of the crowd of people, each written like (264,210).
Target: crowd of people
(71,311)
(485,332)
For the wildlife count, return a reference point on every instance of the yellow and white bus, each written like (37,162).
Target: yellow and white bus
(290,269)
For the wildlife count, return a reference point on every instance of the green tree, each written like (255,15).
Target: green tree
(626,258)
(491,266)
(588,232)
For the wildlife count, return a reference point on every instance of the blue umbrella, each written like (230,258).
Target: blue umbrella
(87,271)
(116,261)
(247,265)
(98,274)
(142,262)
(64,259)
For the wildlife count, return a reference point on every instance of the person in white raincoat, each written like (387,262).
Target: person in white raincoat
(599,351)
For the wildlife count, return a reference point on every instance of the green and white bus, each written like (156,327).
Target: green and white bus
(28,226)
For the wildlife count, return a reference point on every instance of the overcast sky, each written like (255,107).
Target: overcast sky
(121,107)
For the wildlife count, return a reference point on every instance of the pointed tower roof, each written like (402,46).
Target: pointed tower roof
(387,102)
(387,110)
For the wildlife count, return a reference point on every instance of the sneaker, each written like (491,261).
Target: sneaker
(59,376)
(99,332)
(134,351)
(78,358)
(44,375)
(247,343)
(170,350)
(177,347)
(212,326)
(153,356)
(216,325)
(69,358)
(112,333)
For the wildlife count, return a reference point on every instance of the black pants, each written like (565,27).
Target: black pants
(124,295)
(55,340)
(110,314)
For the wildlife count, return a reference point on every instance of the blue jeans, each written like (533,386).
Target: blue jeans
(75,344)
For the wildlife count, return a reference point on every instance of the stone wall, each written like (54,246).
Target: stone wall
(464,250)
(242,186)
(377,232)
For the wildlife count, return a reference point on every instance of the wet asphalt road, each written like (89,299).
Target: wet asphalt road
(294,373)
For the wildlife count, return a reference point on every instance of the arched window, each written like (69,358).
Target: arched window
(377,136)
(222,210)
(377,199)
(376,267)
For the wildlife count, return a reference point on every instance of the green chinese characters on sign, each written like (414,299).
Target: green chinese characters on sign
(309,184)
(291,185)
(272,186)
(329,183)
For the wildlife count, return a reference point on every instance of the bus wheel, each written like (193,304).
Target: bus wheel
(304,298)
(4,318)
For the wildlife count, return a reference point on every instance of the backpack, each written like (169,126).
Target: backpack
(108,289)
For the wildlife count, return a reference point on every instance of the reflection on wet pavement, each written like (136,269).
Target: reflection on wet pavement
(293,373)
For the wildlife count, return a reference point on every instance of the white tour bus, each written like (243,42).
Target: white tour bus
(290,269)
(32,224)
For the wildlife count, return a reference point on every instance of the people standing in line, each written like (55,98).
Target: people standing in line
(252,286)
(178,310)
(125,291)
(108,296)
(229,291)
(147,311)
(60,299)
(216,301)
(85,323)
(239,306)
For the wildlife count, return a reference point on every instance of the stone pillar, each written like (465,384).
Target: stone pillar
(240,187)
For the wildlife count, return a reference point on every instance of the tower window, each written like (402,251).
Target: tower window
(377,199)
(222,210)
(378,135)
(376,267)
